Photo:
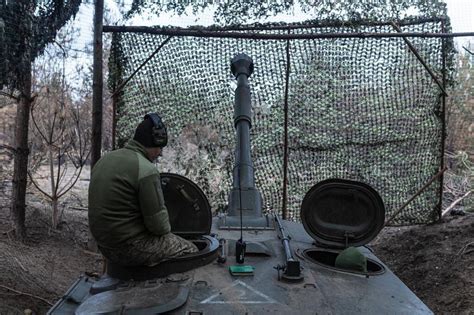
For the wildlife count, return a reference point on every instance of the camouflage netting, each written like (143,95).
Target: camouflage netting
(359,109)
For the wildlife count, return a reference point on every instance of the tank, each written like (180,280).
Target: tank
(253,263)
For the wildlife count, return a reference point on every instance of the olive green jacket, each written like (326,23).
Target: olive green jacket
(125,197)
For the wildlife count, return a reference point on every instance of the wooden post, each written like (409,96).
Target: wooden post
(97,84)
(443,121)
(97,92)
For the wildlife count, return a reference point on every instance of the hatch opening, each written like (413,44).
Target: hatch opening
(327,258)
(200,244)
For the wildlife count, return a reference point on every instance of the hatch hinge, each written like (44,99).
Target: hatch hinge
(347,235)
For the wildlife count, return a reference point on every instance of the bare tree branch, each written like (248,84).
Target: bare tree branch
(37,187)
(10,96)
(51,130)
(6,146)
(65,186)
(33,106)
(75,181)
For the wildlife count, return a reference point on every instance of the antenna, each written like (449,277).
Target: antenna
(240,245)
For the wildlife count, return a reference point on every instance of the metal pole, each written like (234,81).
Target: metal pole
(97,84)
(285,140)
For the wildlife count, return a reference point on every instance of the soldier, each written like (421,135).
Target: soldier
(127,214)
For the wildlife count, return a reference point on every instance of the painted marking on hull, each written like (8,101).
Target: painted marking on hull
(238,293)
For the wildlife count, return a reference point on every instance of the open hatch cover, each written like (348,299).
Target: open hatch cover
(341,213)
(188,208)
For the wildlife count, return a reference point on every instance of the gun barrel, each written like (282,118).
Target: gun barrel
(244,196)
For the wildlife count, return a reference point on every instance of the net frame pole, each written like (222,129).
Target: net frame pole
(246,35)
(443,121)
(420,59)
(285,139)
(428,183)
(122,85)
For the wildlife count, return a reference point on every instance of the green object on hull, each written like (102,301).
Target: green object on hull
(244,270)
(351,258)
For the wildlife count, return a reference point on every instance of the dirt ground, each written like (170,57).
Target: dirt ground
(435,261)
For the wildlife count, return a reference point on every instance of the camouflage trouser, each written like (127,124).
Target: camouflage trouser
(149,250)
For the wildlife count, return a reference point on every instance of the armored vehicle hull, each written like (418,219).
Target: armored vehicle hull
(211,289)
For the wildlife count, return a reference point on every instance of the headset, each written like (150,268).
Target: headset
(160,136)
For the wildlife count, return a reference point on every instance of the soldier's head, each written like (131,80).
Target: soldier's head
(152,134)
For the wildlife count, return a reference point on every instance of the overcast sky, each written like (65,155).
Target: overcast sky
(461,13)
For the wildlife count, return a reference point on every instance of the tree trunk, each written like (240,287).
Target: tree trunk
(18,204)
(55,217)
(54,199)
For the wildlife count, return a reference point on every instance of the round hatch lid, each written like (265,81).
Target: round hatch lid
(188,208)
(342,213)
